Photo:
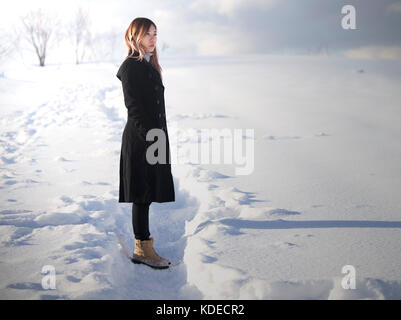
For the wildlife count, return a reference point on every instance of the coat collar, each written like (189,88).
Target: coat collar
(153,73)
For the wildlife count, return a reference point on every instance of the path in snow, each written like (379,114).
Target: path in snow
(59,205)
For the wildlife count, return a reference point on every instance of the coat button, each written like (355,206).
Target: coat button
(156,87)
(158,101)
(160,115)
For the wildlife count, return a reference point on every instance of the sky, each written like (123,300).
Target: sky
(230,27)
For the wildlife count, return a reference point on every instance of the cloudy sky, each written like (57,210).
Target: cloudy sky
(212,27)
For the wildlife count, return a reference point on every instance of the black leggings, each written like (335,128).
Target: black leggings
(140,220)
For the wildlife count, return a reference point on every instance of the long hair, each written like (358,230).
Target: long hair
(133,37)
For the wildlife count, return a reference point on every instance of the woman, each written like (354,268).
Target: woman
(142,181)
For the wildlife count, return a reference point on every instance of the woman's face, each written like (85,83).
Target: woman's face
(149,41)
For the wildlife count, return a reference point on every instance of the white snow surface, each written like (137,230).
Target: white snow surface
(324,192)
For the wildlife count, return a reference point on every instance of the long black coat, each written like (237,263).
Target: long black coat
(140,180)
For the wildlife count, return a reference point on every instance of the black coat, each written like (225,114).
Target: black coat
(140,180)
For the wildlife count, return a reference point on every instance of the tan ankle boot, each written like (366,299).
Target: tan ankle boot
(146,254)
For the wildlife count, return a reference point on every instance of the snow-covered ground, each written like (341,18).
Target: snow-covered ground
(323,193)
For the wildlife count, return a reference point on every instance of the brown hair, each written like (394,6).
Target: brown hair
(133,36)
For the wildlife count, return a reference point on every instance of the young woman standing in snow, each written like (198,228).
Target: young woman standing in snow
(142,181)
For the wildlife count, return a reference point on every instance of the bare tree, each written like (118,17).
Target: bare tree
(6,45)
(165,46)
(38,29)
(105,45)
(5,49)
(81,34)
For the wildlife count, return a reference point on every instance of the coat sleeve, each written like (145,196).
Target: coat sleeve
(132,89)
